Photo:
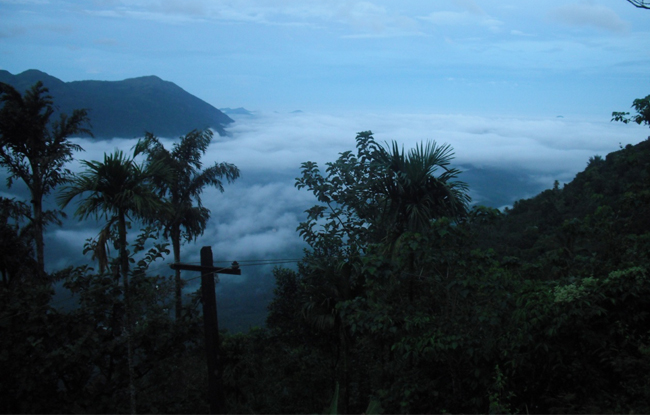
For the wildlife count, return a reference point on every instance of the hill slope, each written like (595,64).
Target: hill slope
(130,107)
(597,223)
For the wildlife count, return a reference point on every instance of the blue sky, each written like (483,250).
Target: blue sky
(533,58)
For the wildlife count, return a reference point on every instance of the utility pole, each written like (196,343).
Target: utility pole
(216,396)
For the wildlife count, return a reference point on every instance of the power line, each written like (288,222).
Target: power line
(152,270)
(247,262)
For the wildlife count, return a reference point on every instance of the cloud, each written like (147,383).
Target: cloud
(256,217)
(372,19)
(29,2)
(591,15)
(471,6)
(185,7)
(448,18)
(465,18)
(257,220)
(157,14)
(520,33)
(274,145)
(363,16)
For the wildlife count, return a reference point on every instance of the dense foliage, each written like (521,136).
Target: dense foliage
(35,150)
(182,219)
(407,300)
(541,309)
(55,361)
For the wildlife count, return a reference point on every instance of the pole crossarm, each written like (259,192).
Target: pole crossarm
(233,270)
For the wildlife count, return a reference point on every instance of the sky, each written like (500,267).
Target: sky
(506,57)
(522,90)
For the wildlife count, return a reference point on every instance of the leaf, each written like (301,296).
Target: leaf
(333,408)
(374,407)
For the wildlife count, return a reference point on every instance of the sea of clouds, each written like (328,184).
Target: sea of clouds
(503,159)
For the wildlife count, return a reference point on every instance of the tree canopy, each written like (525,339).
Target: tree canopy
(642,107)
(182,188)
(118,188)
(36,150)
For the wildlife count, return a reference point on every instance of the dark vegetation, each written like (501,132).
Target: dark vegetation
(408,299)
(127,108)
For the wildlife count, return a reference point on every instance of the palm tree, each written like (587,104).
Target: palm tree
(411,194)
(186,216)
(373,197)
(118,188)
(35,150)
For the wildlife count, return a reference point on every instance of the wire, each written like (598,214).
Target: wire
(154,268)
(265,260)
(206,274)
(271,263)
(247,261)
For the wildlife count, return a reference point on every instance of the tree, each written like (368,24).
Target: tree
(187,182)
(342,223)
(118,188)
(411,193)
(642,107)
(16,247)
(641,4)
(35,150)
(367,200)
(379,194)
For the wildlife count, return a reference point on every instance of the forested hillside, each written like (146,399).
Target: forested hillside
(541,309)
(409,299)
(588,226)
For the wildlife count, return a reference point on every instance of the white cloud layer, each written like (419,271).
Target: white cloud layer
(257,216)
(282,142)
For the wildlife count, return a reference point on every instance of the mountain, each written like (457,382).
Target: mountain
(236,111)
(127,108)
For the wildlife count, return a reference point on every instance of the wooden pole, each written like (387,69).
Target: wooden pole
(211,324)
(216,397)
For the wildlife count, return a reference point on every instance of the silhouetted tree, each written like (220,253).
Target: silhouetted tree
(118,187)
(187,180)
(367,199)
(35,150)
(16,248)
(642,107)
(418,187)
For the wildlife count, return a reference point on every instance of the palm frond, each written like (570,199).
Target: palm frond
(117,183)
(419,186)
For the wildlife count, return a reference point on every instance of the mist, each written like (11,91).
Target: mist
(502,159)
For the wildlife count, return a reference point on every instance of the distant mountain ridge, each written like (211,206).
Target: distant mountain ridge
(127,108)
(236,111)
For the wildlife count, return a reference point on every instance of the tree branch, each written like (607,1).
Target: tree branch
(641,4)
